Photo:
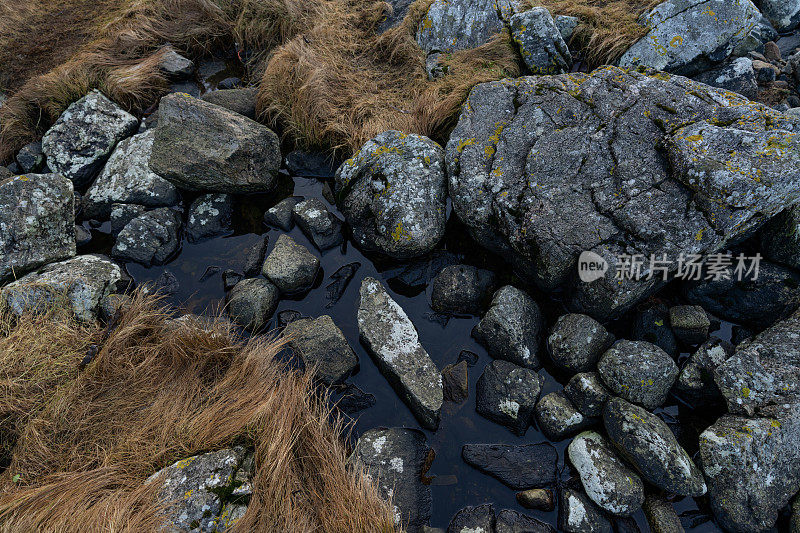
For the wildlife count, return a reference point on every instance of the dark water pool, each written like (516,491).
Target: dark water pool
(454,484)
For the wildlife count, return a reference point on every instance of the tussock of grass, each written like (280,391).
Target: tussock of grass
(155,393)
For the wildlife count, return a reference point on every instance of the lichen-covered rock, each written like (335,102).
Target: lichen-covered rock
(661,515)
(763,372)
(507,394)
(290,266)
(587,393)
(251,303)
(648,444)
(242,101)
(478,519)
(321,226)
(200,146)
(638,371)
(83,282)
(688,36)
(540,42)
(511,329)
(752,467)
(127,179)
(519,467)
(392,340)
(194,490)
(281,215)
(393,193)
(780,238)
(558,419)
(510,521)
(695,383)
(210,215)
(784,14)
(84,136)
(150,239)
(37,222)
(690,323)
(576,342)
(395,459)
(323,347)
(607,480)
(459,24)
(579,514)
(518,141)
(30,157)
(462,289)
(737,76)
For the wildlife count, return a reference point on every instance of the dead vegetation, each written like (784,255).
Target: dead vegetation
(326,78)
(80,444)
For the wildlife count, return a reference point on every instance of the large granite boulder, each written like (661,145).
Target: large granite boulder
(688,36)
(393,192)
(85,134)
(82,282)
(37,222)
(200,146)
(392,340)
(519,141)
(127,179)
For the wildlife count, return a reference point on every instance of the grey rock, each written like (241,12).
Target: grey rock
(638,371)
(479,519)
(511,330)
(434,66)
(558,419)
(122,214)
(391,338)
(254,261)
(780,238)
(112,304)
(252,302)
(510,521)
(518,467)
(149,239)
(230,278)
(241,101)
(281,215)
(736,75)
(462,289)
(82,236)
(458,25)
(210,215)
(540,42)
(576,342)
(85,134)
(174,65)
(688,36)
(661,515)
(607,480)
(393,193)
(200,146)
(587,393)
(183,88)
(647,443)
(580,515)
(290,266)
(395,458)
(397,12)
(763,372)
(321,226)
(695,383)
(127,179)
(566,26)
(794,524)
(507,394)
(30,157)
(537,499)
(37,225)
(652,325)
(690,323)
(784,14)
(756,303)
(518,141)
(323,347)
(5,173)
(455,382)
(83,282)
(752,467)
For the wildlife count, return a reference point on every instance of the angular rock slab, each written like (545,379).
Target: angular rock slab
(391,338)
(393,192)
(396,459)
(459,24)
(518,467)
(518,142)
(83,281)
(784,14)
(200,146)
(37,222)
(540,42)
(511,330)
(322,345)
(84,136)
(752,467)
(688,36)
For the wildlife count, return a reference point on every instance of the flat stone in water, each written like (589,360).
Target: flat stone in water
(518,467)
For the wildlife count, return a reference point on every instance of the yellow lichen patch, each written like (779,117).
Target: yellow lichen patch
(400,233)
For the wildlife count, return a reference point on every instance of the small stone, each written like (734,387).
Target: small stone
(580,515)
(210,215)
(241,101)
(462,289)
(251,303)
(661,515)
(511,329)
(771,51)
(566,26)
(174,65)
(690,323)
(230,278)
(558,419)
(737,75)
(323,347)
(290,266)
(310,164)
(576,342)
(470,357)
(254,261)
(520,467)
(166,284)
(507,394)
(113,303)
(537,499)
(455,382)
(639,372)
(587,393)
(281,215)
(321,226)
(648,444)
(480,519)
(30,157)
(150,239)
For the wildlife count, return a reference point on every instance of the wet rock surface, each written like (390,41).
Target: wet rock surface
(462,289)
(518,467)
(209,216)
(639,372)
(322,346)
(558,419)
(587,393)
(252,302)
(580,515)
(290,266)
(576,342)
(507,394)
(150,238)
(511,329)
(318,223)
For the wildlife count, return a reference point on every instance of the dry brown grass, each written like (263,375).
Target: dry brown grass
(86,441)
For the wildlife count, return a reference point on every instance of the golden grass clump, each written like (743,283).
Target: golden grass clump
(84,442)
